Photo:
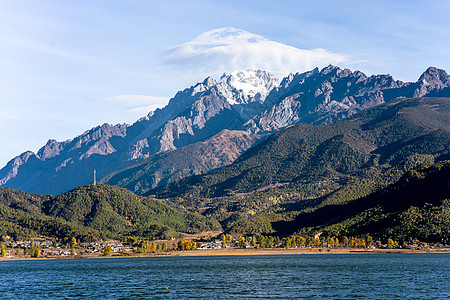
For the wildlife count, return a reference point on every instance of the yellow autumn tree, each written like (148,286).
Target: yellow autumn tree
(3,247)
(153,247)
(73,242)
(184,244)
(391,244)
(242,243)
(107,250)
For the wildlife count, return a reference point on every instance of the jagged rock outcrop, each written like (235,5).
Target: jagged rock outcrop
(12,168)
(322,97)
(60,166)
(204,110)
(433,80)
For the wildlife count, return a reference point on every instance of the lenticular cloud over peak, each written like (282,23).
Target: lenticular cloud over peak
(226,36)
(227,49)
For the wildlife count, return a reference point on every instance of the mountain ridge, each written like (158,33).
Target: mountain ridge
(194,159)
(251,100)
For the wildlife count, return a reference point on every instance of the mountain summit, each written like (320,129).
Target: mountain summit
(254,101)
(242,87)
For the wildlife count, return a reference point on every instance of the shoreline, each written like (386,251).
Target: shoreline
(235,252)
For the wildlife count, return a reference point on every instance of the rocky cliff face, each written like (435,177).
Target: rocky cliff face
(433,80)
(12,168)
(322,97)
(60,166)
(192,115)
(251,100)
(198,158)
(202,111)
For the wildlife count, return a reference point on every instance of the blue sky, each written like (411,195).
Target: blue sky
(67,66)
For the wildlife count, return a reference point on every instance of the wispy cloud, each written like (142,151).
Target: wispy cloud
(228,49)
(138,104)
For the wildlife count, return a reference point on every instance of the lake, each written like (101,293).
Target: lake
(330,276)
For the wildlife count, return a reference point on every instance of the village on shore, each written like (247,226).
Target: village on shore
(222,245)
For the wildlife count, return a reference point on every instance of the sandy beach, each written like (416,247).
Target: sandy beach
(231,252)
(281,251)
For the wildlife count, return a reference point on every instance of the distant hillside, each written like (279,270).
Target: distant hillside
(199,158)
(21,216)
(415,207)
(94,212)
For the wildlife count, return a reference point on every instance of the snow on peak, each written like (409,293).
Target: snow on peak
(246,86)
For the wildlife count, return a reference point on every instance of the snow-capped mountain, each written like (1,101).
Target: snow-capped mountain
(251,100)
(192,115)
(242,87)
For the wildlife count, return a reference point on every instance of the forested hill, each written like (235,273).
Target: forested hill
(94,212)
(401,134)
(415,207)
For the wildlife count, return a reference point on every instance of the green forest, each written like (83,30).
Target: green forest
(94,212)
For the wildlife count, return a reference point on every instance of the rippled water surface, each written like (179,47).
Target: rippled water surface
(342,276)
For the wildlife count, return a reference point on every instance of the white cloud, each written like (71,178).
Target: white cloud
(131,100)
(138,104)
(227,49)
(142,110)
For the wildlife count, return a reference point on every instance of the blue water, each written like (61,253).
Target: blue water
(352,276)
